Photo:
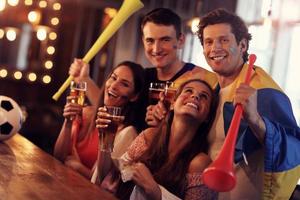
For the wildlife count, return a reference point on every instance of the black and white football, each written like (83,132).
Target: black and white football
(10,117)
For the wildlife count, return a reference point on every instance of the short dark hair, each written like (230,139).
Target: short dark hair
(163,16)
(220,15)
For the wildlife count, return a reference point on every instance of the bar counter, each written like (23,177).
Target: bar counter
(29,173)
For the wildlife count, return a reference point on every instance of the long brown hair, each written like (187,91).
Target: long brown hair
(131,107)
(171,173)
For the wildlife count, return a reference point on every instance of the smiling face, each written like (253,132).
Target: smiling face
(194,100)
(119,87)
(221,50)
(161,44)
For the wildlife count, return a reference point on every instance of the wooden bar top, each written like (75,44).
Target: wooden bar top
(28,173)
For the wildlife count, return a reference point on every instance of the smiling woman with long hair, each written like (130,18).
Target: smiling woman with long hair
(173,156)
(79,149)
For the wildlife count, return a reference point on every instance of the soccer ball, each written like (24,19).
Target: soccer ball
(10,117)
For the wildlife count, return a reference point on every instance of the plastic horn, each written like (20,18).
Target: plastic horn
(220,175)
(128,7)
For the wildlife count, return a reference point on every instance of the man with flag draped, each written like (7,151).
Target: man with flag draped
(267,152)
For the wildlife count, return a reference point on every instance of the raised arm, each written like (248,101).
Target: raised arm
(81,72)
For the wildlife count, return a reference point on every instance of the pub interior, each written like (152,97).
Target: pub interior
(40,38)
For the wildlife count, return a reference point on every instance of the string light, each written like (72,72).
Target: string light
(34,17)
(1,33)
(41,33)
(52,36)
(43,4)
(32,77)
(13,2)
(50,50)
(3,73)
(28,2)
(11,34)
(46,79)
(48,64)
(56,6)
(2,5)
(18,75)
(54,21)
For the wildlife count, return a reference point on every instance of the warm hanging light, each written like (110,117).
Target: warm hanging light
(2,5)
(34,17)
(13,2)
(32,77)
(54,21)
(194,24)
(41,33)
(48,64)
(3,73)
(1,33)
(52,36)
(28,2)
(18,75)
(50,50)
(43,4)
(46,79)
(11,34)
(56,6)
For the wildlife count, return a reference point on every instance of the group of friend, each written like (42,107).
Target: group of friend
(166,150)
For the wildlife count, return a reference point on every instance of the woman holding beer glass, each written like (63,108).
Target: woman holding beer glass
(167,162)
(122,89)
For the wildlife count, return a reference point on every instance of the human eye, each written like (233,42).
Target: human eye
(188,90)
(125,84)
(203,96)
(224,40)
(149,41)
(166,39)
(113,77)
(208,42)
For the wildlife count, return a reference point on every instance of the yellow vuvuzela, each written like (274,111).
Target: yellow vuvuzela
(128,7)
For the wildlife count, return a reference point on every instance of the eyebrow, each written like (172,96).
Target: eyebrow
(202,91)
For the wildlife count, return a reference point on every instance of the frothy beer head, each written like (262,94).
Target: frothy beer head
(78,91)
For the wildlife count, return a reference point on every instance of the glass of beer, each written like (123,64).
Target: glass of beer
(169,90)
(154,90)
(78,90)
(107,135)
(77,94)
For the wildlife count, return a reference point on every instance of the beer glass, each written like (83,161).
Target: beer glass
(169,90)
(107,135)
(77,91)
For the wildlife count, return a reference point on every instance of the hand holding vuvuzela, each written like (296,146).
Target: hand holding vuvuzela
(220,175)
(128,7)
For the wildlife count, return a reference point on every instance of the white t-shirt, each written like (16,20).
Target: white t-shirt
(249,178)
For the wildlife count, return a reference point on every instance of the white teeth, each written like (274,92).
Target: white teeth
(192,105)
(218,57)
(112,94)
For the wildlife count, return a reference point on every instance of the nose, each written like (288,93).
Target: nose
(216,45)
(156,47)
(195,96)
(113,85)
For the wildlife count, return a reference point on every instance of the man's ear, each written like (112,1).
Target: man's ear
(243,44)
(181,41)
